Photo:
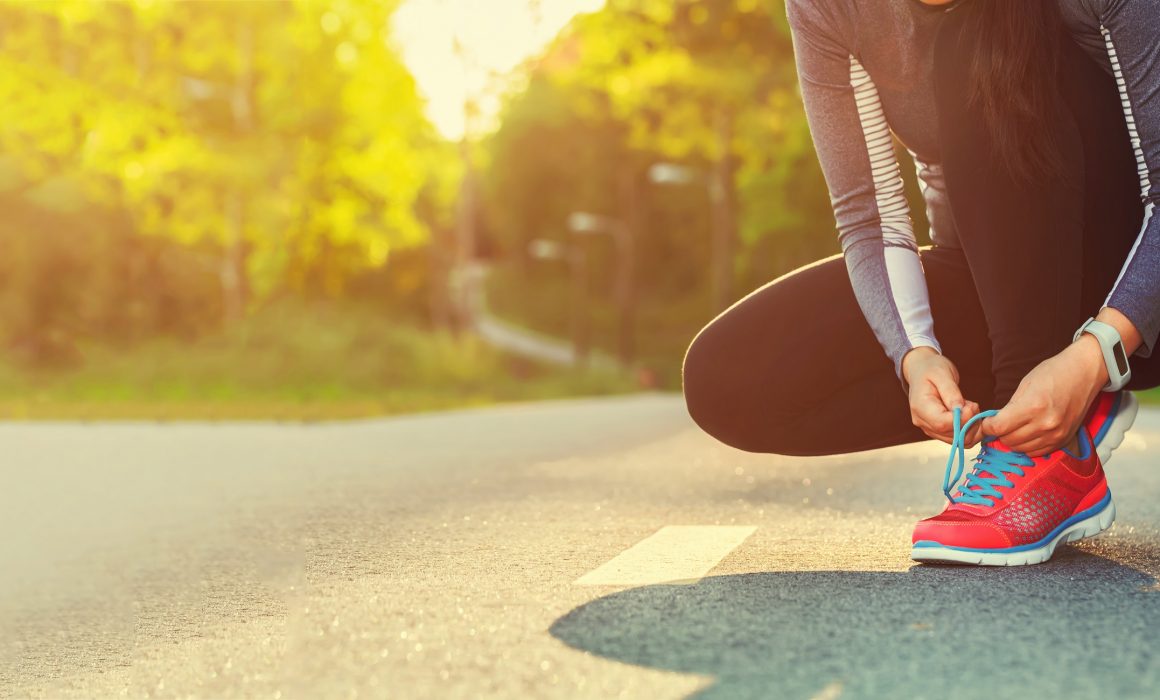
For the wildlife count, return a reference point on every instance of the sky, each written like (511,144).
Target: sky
(497,35)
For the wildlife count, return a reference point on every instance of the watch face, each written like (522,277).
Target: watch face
(1121,360)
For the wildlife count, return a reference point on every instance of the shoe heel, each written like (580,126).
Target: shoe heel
(1125,417)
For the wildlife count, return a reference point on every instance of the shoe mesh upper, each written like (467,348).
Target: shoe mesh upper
(1035,513)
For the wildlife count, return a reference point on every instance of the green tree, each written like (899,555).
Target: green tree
(288,135)
(709,84)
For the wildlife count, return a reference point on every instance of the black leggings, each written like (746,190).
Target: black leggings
(793,368)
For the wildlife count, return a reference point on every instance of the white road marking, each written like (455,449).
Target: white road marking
(673,554)
(832,691)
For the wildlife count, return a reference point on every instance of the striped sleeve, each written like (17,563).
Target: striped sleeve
(1131,32)
(856,150)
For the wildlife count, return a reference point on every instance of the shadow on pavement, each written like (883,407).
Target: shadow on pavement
(1080,626)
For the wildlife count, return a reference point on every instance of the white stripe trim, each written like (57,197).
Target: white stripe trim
(1137,147)
(903,266)
(889,193)
(1129,115)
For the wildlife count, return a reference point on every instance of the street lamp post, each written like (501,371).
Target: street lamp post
(719,185)
(577,259)
(585,223)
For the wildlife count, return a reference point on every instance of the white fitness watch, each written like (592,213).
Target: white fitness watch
(1113,348)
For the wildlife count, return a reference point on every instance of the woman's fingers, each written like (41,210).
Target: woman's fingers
(1026,425)
(970,410)
(940,437)
(996,425)
(920,417)
(942,417)
(931,416)
(1035,440)
(934,396)
(948,390)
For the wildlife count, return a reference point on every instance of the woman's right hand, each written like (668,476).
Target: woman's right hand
(934,394)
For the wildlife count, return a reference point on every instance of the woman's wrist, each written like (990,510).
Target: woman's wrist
(1092,359)
(1091,354)
(914,357)
(1129,335)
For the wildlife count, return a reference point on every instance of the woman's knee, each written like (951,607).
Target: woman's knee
(700,382)
(704,383)
(726,397)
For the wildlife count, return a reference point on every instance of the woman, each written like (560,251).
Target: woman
(1036,129)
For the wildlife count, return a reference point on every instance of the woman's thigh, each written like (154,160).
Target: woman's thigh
(1113,210)
(793,368)
(1045,254)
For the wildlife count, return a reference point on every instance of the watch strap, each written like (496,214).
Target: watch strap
(1115,358)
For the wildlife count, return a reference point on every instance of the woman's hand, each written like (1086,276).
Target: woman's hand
(934,394)
(1051,401)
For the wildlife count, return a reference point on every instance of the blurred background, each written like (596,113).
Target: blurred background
(312,209)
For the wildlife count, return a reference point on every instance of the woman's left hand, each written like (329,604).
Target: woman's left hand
(1051,401)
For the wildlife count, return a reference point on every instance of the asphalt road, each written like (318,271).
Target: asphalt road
(439,556)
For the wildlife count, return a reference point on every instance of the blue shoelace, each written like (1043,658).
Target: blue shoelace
(991,466)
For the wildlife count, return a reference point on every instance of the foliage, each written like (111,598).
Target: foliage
(649,81)
(285,139)
(69,275)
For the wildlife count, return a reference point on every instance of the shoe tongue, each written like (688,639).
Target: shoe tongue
(996,445)
(993,444)
(970,508)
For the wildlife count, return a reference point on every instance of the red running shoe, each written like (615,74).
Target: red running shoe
(1013,509)
(1108,420)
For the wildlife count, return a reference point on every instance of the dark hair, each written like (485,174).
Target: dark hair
(1013,79)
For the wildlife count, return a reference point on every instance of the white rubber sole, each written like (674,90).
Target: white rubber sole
(1088,527)
(1125,417)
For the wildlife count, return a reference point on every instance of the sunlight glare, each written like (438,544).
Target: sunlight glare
(496,37)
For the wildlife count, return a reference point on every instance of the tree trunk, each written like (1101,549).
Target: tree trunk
(581,311)
(723,191)
(235,292)
(234,280)
(439,253)
(626,266)
(461,284)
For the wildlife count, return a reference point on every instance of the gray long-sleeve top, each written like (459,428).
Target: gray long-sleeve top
(865,68)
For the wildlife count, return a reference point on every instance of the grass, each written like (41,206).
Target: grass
(292,363)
